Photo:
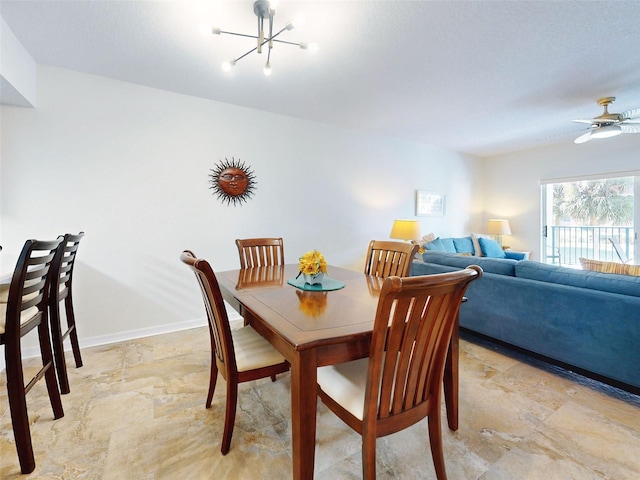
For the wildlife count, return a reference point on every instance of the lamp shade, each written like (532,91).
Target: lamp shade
(497,226)
(405,229)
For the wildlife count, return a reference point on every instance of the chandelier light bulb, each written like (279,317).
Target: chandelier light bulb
(216,31)
(312,47)
(298,21)
(226,66)
(267,69)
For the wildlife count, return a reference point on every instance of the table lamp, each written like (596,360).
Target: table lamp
(498,227)
(405,230)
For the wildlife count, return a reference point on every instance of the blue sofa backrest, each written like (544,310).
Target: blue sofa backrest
(502,266)
(606,282)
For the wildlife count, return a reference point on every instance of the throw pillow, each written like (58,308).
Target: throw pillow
(464,245)
(491,248)
(423,242)
(476,244)
(435,245)
(441,245)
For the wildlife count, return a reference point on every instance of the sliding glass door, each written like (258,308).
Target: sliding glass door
(592,217)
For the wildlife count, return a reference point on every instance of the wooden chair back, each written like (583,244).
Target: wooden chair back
(61,291)
(63,265)
(219,329)
(411,334)
(26,309)
(403,375)
(386,258)
(260,252)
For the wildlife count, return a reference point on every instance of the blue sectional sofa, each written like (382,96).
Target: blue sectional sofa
(585,321)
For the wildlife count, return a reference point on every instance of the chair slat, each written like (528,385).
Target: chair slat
(385,258)
(260,252)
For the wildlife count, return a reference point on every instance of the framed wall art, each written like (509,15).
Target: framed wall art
(429,203)
(232,181)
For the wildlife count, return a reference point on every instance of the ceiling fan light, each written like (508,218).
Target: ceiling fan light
(583,138)
(607,131)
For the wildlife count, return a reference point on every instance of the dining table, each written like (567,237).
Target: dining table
(312,328)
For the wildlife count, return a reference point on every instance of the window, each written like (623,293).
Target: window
(581,217)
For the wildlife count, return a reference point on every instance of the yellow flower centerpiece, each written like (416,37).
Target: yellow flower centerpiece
(313,266)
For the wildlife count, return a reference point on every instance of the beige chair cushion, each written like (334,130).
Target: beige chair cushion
(252,350)
(610,267)
(25,316)
(346,383)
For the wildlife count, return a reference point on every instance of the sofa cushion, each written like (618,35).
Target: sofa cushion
(464,245)
(606,282)
(516,255)
(491,248)
(441,245)
(502,266)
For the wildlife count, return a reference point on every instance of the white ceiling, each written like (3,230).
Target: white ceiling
(481,77)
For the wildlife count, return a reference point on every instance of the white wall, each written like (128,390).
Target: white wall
(17,70)
(512,182)
(129,165)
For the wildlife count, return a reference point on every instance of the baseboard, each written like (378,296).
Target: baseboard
(568,368)
(234,319)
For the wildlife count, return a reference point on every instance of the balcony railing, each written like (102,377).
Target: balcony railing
(565,245)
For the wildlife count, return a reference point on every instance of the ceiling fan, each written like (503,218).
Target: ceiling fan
(610,124)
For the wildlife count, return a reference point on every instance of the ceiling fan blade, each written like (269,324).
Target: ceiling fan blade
(628,128)
(583,138)
(631,115)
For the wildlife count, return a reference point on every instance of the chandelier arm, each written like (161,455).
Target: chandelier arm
(245,54)
(265,41)
(287,42)
(238,34)
(279,32)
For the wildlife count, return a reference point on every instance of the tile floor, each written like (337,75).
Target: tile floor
(136,411)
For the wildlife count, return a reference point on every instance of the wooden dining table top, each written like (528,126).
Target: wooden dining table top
(305,319)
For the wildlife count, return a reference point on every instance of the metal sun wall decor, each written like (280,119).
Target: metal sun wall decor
(232,181)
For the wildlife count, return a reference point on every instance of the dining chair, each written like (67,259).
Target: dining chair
(260,252)
(61,290)
(27,309)
(240,355)
(400,383)
(385,258)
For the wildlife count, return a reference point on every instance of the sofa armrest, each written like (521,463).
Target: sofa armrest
(515,255)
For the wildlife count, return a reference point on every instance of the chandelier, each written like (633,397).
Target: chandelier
(265,10)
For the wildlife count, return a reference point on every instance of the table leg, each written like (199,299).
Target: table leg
(303,413)
(451,376)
